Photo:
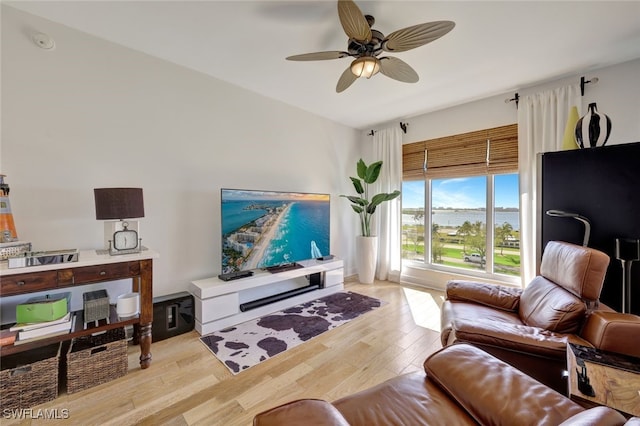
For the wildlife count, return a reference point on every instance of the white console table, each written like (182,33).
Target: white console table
(218,302)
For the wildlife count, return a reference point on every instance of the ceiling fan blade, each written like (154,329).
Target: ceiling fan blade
(416,36)
(346,79)
(398,70)
(318,56)
(353,22)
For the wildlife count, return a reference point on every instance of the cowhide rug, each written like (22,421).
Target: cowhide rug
(247,344)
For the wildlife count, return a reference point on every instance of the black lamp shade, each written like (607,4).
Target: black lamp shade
(118,203)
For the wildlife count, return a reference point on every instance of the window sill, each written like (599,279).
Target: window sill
(436,277)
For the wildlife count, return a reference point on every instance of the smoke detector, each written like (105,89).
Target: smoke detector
(43,41)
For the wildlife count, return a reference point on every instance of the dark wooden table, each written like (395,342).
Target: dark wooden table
(90,268)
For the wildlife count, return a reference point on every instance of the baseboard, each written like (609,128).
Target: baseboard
(351,279)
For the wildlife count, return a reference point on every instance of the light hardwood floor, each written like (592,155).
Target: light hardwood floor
(187,385)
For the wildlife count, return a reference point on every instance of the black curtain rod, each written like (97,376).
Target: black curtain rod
(515,98)
(403,126)
(583,82)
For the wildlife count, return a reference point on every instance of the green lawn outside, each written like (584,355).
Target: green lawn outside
(508,263)
(507,258)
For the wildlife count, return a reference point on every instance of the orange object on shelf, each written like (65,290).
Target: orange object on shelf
(8,231)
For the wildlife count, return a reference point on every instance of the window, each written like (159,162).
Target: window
(506,254)
(413,220)
(458,222)
(454,190)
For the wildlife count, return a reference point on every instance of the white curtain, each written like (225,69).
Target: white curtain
(542,118)
(387,147)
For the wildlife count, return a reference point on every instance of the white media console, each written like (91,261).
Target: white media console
(221,304)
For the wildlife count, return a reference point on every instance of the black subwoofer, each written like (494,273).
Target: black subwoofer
(173,315)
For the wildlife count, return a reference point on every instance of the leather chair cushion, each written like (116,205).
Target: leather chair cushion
(546,305)
(305,411)
(601,416)
(580,270)
(518,338)
(409,399)
(453,310)
(494,393)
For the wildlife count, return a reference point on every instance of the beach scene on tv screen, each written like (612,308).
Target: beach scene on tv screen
(261,229)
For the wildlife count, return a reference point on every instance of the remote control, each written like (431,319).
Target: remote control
(235,275)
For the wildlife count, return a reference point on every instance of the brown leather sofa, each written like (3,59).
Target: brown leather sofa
(530,328)
(463,385)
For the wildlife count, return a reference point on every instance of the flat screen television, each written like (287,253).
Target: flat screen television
(270,229)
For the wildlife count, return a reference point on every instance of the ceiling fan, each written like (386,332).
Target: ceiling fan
(366,44)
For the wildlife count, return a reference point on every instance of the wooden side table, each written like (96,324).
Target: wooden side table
(90,268)
(614,378)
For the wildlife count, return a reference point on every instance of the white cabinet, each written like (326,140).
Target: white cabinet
(221,304)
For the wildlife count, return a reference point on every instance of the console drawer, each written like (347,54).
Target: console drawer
(113,271)
(27,283)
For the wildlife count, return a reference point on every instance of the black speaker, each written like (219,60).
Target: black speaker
(628,249)
(317,279)
(173,315)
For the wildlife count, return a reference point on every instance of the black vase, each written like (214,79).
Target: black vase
(593,129)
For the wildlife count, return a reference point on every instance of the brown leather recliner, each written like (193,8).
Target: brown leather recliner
(530,328)
(463,385)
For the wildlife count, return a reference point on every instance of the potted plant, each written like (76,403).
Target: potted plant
(365,207)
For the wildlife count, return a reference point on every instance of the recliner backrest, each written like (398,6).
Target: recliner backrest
(546,305)
(580,270)
(571,276)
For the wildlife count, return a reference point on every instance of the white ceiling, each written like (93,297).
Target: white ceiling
(496,47)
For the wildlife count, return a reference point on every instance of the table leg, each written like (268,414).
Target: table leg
(146,312)
(145,345)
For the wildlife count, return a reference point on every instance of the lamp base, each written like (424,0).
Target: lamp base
(115,252)
(111,227)
(102,252)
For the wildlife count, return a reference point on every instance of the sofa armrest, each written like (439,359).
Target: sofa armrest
(493,392)
(611,331)
(515,337)
(303,411)
(495,296)
(601,416)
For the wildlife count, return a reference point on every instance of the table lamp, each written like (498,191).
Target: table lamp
(116,206)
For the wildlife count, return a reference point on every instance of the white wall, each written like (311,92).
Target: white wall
(92,114)
(617,94)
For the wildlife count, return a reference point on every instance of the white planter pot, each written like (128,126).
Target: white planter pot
(367,258)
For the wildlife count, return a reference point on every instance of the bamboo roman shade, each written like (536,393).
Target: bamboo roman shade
(475,153)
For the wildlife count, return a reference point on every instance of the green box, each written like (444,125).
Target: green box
(43,308)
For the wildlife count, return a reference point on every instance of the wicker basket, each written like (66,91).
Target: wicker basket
(96,305)
(29,378)
(93,360)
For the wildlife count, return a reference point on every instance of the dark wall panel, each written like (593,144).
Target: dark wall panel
(602,184)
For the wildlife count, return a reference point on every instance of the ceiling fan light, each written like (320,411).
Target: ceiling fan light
(367,66)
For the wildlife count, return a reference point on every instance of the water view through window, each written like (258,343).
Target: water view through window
(457,223)
(506,254)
